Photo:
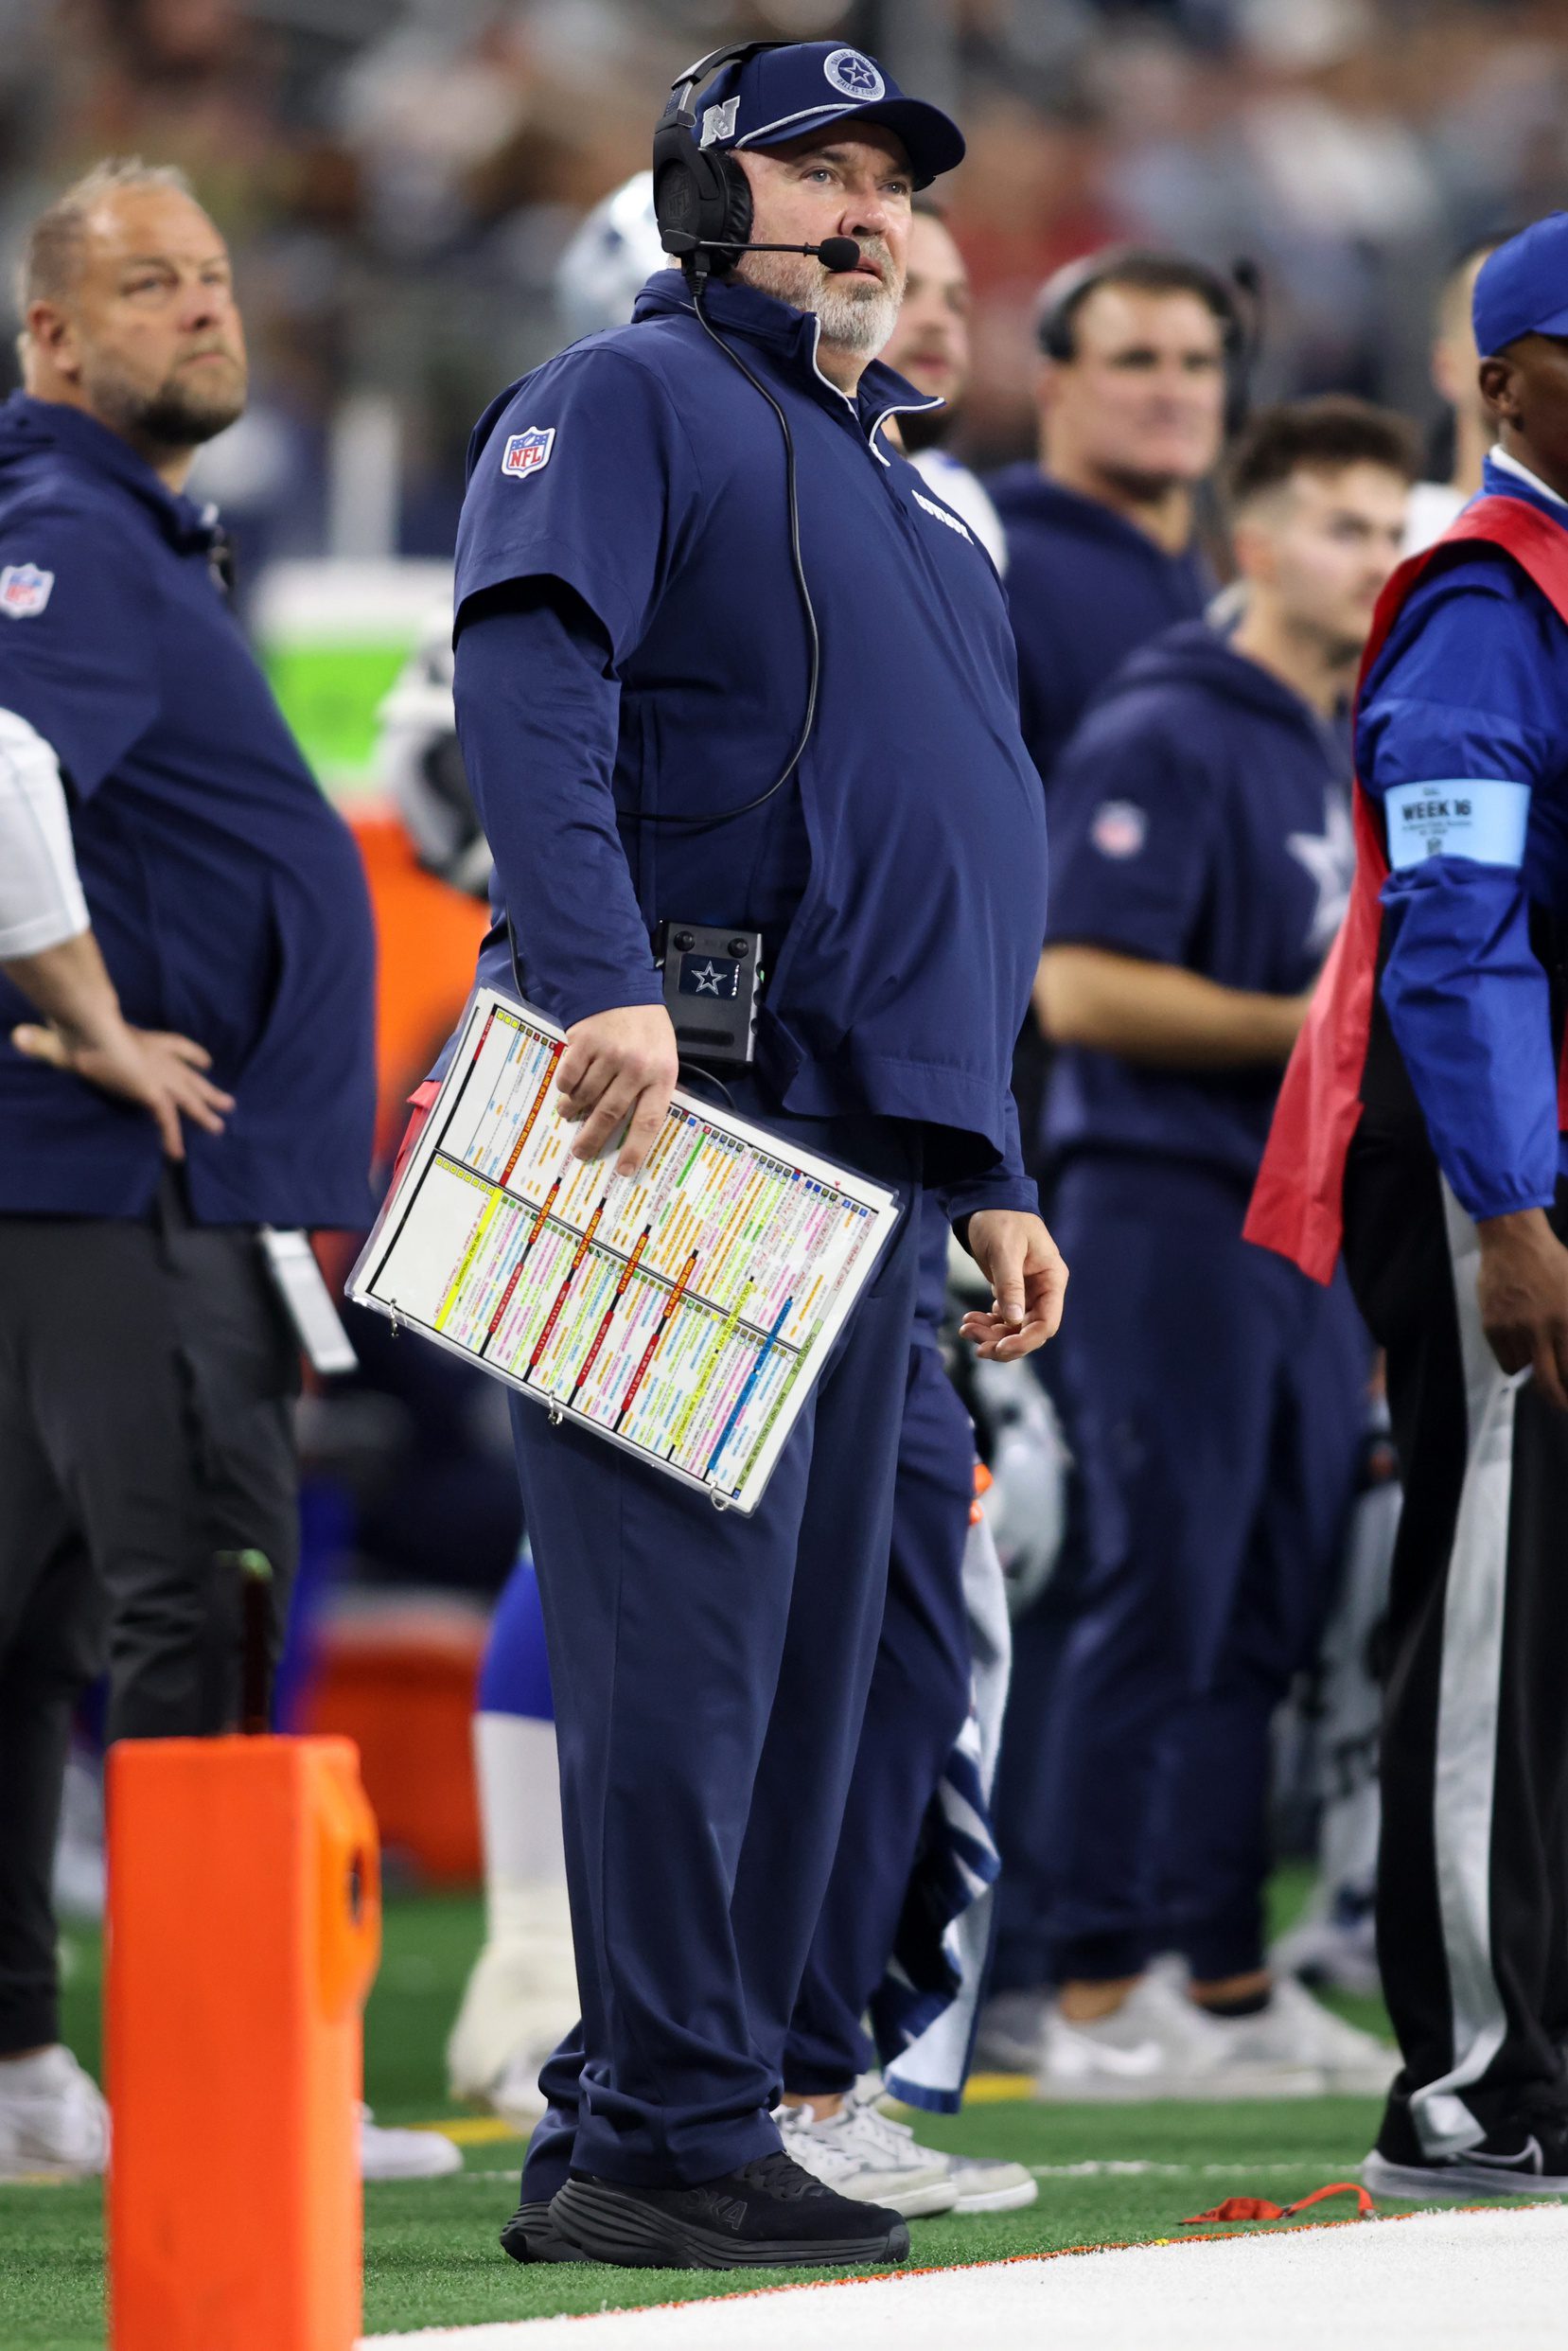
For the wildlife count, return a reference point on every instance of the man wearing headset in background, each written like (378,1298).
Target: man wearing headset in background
(1101,529)
(1102,556)
(662,724)
(1214,1399)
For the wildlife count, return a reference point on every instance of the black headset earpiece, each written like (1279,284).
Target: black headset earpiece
(700,194)
(702,197)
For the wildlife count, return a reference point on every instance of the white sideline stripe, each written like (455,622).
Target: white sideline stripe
(1446,2281)
(1302,2165)
(1468,1697)
(1349,2165)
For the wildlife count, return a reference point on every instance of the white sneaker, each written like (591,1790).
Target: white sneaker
(404,2154)
(1296,2030)
(986,2184)
(54,2122)
(1335,1951)
(867,2156)
(1010,2035)
(1157,2044)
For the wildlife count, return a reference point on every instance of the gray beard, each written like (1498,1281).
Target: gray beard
(853,320)
(168,419)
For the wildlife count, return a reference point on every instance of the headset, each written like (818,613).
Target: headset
(1236,299)
(701,197)
(702,204)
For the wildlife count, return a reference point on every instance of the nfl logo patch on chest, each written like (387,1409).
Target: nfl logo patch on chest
(23,589)
(528,452)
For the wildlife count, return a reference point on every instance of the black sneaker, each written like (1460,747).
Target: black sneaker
(1525,2152)
(768,2215)
(531,2235)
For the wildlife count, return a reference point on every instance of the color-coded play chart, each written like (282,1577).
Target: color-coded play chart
(683,1312)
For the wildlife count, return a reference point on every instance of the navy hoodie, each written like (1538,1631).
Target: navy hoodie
(900,881)
(227,896)
(1200,815)
(1085,588)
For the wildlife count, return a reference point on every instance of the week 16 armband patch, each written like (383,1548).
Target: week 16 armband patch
(1480,817)
(528,452)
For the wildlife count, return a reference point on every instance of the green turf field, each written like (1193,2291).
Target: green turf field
(1106,2174)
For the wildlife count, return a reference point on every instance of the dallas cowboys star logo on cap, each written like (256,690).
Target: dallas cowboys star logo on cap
(854,76)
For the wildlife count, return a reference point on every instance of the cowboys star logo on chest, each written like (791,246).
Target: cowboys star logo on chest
(1329,860)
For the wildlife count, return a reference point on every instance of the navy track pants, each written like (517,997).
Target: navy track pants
(1215,1402)
(916,1705)
(710,1675)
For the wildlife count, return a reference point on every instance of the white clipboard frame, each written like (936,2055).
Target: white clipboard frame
(384,1281)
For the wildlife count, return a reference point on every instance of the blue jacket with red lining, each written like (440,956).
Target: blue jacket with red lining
(1466,685)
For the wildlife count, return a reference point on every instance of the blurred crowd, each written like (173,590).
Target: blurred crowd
(398,179)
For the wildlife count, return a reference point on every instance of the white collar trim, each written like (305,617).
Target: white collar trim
(1511,465)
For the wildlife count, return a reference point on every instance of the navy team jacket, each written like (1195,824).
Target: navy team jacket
(1454,942)
(633,487)
(1201,817)
(1085,588)
(226,895)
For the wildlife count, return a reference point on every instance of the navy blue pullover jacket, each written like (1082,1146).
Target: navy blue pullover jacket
(1468,698)
(1200,817)
(633,489)
(1085,588)
(226,895)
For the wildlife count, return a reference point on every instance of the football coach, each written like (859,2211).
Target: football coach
(722,658)
(186,982)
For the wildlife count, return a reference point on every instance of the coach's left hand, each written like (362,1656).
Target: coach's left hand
(1028,1279)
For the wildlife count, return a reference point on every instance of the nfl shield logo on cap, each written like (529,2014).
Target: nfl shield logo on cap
(528,452)
(23,589)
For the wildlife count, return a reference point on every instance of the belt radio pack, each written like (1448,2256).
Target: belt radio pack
(711,980)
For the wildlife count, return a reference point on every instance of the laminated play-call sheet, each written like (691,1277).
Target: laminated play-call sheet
(683,1312)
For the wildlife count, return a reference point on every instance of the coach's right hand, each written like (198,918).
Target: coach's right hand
(619,1064)
(1522,1293)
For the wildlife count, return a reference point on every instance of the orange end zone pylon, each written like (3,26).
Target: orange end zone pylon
(244,1928)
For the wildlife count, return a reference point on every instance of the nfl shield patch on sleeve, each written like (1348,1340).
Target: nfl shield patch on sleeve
(23,589)
(528,452)
(1120,828)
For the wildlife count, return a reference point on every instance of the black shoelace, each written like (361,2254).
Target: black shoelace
(782,2177)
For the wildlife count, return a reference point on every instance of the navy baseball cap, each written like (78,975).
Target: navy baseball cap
(782,94)
(1523,287)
